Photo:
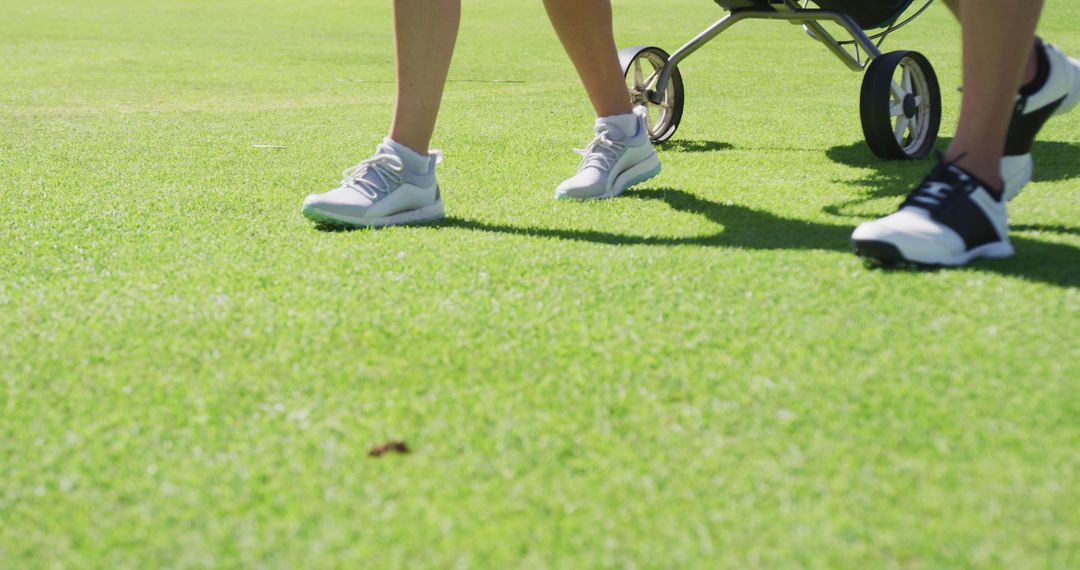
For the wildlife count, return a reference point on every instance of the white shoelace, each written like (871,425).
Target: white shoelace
(388,167)
(939,187)
(601,153)
(932,194)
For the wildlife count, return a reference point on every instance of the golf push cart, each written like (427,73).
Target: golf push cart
(900,104)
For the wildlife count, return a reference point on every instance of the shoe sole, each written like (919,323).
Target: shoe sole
(1017,171)
(640,172)
(428,213)
(887,255)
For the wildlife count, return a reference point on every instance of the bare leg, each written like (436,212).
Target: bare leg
(997,34)
(947,220)
(424,35)
(1032,64)
(584,27)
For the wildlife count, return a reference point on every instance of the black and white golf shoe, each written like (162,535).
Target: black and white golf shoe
(950,219)
(1055,91)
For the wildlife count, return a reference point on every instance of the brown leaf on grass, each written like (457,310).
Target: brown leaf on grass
(389,447)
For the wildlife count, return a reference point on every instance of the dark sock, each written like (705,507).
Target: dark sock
(1042,71)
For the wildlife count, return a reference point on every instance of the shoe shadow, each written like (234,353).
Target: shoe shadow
(747,228)
(1054,161)
(742,227)
(679,145)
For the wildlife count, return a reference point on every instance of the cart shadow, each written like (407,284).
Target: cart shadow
(747,228)
(1054,161)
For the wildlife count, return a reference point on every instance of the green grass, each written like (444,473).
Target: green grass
(698,374)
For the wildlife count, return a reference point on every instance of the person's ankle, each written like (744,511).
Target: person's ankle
(987,172)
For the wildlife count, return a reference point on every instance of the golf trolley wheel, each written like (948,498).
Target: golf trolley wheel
(641,67)
(900,106)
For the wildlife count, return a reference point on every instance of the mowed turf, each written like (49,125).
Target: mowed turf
(697,374)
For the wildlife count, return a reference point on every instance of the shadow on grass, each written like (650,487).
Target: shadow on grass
(1054,161)
(678,145)
(1053,229)
(747,228)
(742,227)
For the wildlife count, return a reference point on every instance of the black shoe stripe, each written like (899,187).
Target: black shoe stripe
(964,216)
(1025,126)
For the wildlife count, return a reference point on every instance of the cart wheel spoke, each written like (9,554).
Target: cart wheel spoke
(896,109)
(652,80)
(914,126)
(901,128)
(898,92)
(639,80)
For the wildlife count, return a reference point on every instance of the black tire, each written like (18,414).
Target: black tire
(641,67)
(910,106)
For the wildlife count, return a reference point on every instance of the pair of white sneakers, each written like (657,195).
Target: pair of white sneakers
(398,186)
(953,217)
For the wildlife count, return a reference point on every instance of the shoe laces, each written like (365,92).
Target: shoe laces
(602,152)
(387,167)
(939,187)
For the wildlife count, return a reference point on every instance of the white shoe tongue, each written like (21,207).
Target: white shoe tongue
(372,177)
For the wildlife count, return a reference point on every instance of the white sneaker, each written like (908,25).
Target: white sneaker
(613,162)
(1058,95)
(380,191)
(948,220)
